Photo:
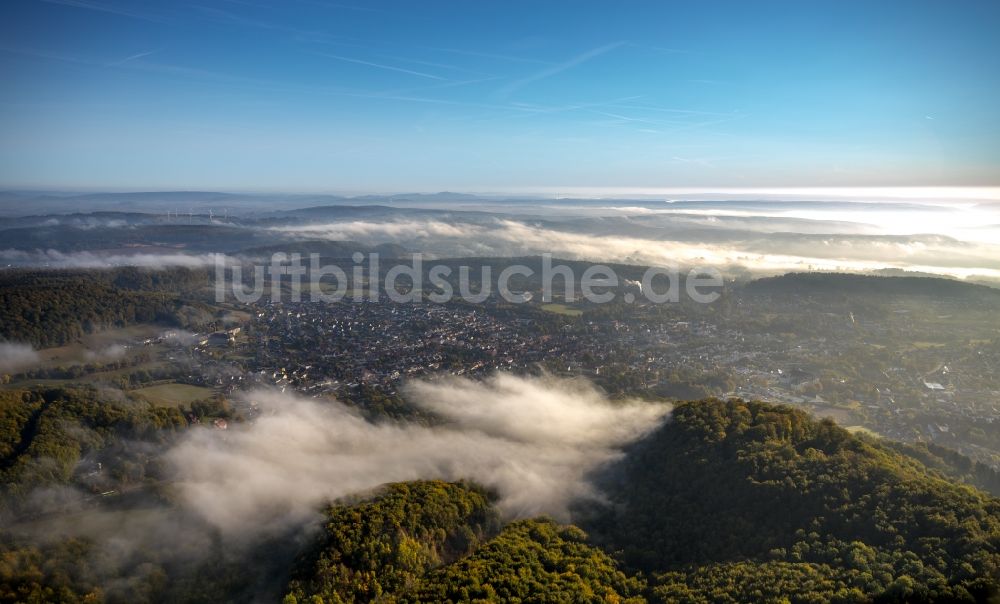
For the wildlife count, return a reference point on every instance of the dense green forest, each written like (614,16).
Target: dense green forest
(52,308)
(739,502)
(952,464)
(849,285)
(530,561)
(80,454)
(729,501)
(729,491)
(45,433)
(381,546)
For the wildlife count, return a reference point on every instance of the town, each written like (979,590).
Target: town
(876,366)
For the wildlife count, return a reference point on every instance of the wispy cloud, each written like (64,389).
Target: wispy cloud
(535,108)
(301,452)
(136,62)
(490,55)
(51,56)
(705,124)
(303,35)
(380,66)
(435,64)
(138,55)
(15,357)
(787,240)
(667,50)
(699,161)
(670,110)
(524,110)
(558,68)
(625,118)
(107,8)
(205,75)
(680,124)
(432,87)
(353,7)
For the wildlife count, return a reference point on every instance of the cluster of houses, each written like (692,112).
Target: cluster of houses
(834,362)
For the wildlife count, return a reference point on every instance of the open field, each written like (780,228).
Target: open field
(173,394)
(103,346)
(861,430)
(562,309)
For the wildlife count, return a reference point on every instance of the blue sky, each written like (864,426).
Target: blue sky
(317,95)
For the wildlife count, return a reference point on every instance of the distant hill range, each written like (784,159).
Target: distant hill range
(16,203)
(326,249)
(847,284)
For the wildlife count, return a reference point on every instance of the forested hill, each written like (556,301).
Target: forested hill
(52,308)
(727,502)
(849,285)
(381,546)
(730,493)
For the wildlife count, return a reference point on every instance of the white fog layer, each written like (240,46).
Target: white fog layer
(532,440)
